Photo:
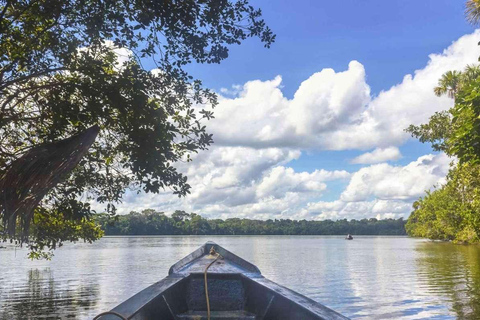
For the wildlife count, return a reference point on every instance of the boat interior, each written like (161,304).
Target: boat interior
(231,297)
(236,290)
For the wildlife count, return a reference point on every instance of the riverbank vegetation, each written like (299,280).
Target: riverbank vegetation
(151,222)
(452,210)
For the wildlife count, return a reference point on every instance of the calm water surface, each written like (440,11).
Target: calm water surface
(367,278)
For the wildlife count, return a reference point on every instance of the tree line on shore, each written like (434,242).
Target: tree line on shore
(151,222)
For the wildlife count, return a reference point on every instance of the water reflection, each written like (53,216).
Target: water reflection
(41,296)
(453,271)
(368,278)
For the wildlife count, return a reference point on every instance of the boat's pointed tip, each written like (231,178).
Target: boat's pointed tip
(186,265)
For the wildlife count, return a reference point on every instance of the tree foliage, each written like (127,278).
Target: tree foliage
(52,228)
(66,66)
(452,211)
(457,130)
(151,222)
(472,11)
(448,84)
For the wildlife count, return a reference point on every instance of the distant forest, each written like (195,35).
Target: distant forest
(151,222)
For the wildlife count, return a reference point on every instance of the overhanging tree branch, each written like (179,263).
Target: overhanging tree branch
(33,175)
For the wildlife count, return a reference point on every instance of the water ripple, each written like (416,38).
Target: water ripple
(369,278)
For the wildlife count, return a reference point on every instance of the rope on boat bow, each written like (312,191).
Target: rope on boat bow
(212,252)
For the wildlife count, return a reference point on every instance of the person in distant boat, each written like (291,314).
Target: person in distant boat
(349,237)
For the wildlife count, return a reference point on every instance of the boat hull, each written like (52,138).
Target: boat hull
(236,290)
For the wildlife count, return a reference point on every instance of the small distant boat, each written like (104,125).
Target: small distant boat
(235,290)
(349,237)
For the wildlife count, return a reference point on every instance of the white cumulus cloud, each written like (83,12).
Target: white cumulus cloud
(384,181)
(378,155)
(258,132)
(383,191)
(380,209)
(240,181)
(334,110)
(281,180)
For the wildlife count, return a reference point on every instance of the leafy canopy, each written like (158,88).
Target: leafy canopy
(457,130)
(452,211)
(66,66)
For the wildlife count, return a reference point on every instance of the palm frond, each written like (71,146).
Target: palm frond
(471,73)
(472,12)
(439,91)
(448,84)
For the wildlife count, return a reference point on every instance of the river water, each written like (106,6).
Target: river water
(367,278)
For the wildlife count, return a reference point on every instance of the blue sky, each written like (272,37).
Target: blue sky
(296,139)
(390,38)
